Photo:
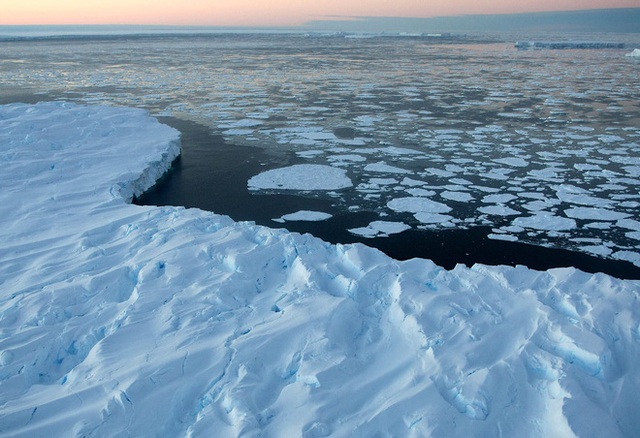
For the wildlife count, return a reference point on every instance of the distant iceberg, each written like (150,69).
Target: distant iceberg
(634,54)
(556,45)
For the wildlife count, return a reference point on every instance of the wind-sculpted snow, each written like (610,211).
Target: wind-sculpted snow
(120,320)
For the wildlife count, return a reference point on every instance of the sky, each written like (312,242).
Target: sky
(267,12)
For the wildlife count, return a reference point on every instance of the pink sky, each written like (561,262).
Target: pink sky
(266,12)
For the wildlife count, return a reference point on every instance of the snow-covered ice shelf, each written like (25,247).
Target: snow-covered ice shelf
(118,319)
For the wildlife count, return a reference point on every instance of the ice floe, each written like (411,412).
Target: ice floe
(380,229)
(305,215)
(417,205)
(543,220)
(165,321)
(301,177)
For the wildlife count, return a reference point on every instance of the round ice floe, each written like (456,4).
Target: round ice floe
(417,205)
(545,221)
(306,215)
(301,177)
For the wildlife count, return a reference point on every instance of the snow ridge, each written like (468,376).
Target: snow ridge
(118,319)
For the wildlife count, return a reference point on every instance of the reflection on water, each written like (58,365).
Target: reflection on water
(539,146)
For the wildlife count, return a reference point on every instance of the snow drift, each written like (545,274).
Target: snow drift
(118,319)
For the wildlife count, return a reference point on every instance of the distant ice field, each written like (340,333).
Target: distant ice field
(541,147)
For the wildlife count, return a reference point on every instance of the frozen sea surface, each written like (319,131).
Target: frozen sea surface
(453,121)
(139,320)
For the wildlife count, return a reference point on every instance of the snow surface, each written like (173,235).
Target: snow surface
(121,320)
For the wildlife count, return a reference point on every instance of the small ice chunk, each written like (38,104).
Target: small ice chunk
(301,177)
(347,158)
(432,218)
(380,229)
(460,181)
(507,237)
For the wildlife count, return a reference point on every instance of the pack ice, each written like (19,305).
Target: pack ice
(121,320)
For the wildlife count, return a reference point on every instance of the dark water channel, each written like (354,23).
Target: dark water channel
(212,175)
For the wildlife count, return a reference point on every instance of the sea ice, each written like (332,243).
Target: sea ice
(457,196)
(432,218)
(594,213)
(384,168)
(547,221)
(512,161)
(380,229)
(417,205)
(305,215)
(502,198)
(301,177)
(498,210)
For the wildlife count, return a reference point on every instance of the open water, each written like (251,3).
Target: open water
(527,156)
